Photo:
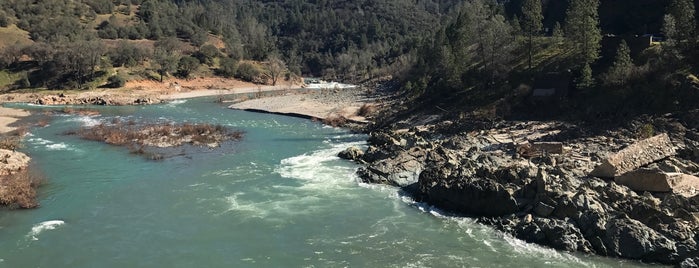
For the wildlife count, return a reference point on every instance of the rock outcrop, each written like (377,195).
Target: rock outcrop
(549,198)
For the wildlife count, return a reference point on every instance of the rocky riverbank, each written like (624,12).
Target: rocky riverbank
(533,180)
(17,187)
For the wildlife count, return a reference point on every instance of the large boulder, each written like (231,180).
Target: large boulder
(658,181)
(632,239)
(474,196)
(634,156)
(352,153)
(402,170)
(555,233)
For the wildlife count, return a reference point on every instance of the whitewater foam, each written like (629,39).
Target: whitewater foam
(88,120)
(56,146)
(39,228)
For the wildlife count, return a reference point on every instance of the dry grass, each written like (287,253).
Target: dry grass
(19,190)
(12,34)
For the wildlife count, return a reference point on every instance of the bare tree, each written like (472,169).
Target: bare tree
(275,68)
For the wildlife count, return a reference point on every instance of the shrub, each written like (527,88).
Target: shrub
(4,19)
(187,65)
(115,81)
(19,190)
(248,72)
(10,142)
(229,67)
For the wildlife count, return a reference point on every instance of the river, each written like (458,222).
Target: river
(277,198)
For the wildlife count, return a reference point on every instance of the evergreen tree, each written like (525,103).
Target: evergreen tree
(582,29)
(585,79)
(557,31)
(685,24)
(532,17)
(619,73)
(516,25)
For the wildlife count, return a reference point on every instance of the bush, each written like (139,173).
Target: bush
(115,81)
(187,65)
(207,53)
(19,190)
(4,19)
(24,83)
(229,67)
(248,72)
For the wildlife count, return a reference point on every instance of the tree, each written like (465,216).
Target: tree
(207,53)
(166,56)
(228,67)
(4,19)
(490,32)
(582,29)
(127,54)
(670,46)
(187,65)
(557,31)
(516,25)
(275,68)
(585,80)
(685,24)
(532,18)
(10,54)
(621,68)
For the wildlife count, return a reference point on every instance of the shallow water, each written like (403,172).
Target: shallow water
(278,198)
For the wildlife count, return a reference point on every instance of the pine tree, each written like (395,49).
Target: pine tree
(557,31)
(582,28)
(532,17)
(685,24)
(622,66)
(516,25)
(585,79)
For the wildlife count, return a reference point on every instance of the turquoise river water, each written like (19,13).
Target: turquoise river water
(278,198)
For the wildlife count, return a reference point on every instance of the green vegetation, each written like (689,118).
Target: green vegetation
(347,40)
(585,62)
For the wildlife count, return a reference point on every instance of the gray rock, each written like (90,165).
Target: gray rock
(351,153)
(543,210)
(690,263)
(483,197)
(632,239)
(556,233)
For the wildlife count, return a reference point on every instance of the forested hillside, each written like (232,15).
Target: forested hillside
(71,44)
(598,59)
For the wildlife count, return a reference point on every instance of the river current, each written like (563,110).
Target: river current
(277,198)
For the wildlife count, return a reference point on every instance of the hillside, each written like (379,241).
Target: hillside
(152,39)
